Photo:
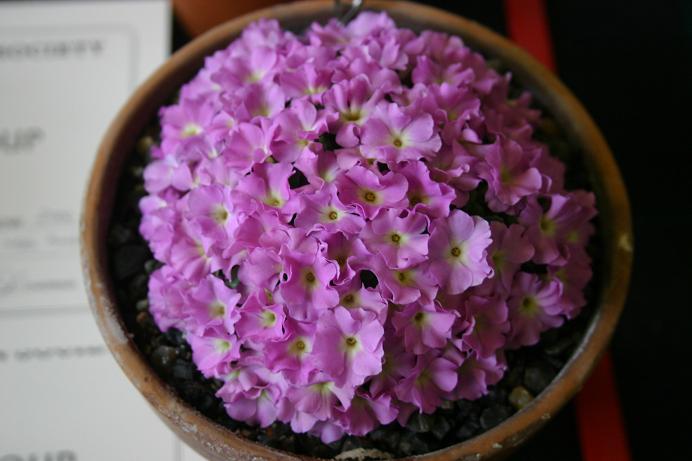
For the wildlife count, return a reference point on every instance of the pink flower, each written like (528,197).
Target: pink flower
(268,187)
(353,100)
(306,289)
(299,127)
(404,286)
(370,191)
(391,135)
(509,250)
(476,373)
(489,324)
(252,394)
(247,144)
(535,305)
(362,301)
(184,120)
(167,298)
(426,196)
(399,240)
(259,322)
(260,269)
(366,413)
(506,169)
(212,209)
(259,64)
(213,305)
(319,400)
(423,326)
(429,379)
(458,251)
(324,210)
(214,351)
(349,348)
(349,253)
(292,354)
(565,220)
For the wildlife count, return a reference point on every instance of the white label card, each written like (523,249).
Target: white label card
(65,70)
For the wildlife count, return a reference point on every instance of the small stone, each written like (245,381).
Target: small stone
(413,445)
(163,358)
(363,454)
(351,443)
(418,422)
(151,265)
(144,145)
(520,397)
(494,415)
(537,378)
(183,370)
(468,430)
(119,235)
(128,260)
(176,337)
(142,305)
(441,427)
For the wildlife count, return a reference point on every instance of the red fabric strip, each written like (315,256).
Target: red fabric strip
(527,25)
(601,426)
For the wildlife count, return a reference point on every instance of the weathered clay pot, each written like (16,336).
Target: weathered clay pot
(218,443)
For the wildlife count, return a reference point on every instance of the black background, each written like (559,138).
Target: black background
(629,64)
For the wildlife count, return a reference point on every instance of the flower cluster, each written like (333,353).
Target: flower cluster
(315,203)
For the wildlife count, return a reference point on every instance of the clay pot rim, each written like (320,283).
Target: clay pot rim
(219,442)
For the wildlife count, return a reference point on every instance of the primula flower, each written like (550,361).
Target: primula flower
(426,196)
(476,374)
(306,289)
(355,224)
(509,250)
(458,251)
(362,301)
(324,210)
(259,322)
(349,253)
(431,377)
(399,240)
(214,351)
(404,286)
(508,172)
(268,186)
(349,347)
(299,126)
(423,326)
(212,304)
(247,144)
(489,324)
(550,231)
(370,191)
(212,209)
(534,306)
(292,354)
(365,413)
(391,135)
(252,393)
(353,100)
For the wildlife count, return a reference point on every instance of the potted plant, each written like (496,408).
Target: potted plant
(352,229)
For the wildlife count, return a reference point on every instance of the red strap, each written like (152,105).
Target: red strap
(601,427)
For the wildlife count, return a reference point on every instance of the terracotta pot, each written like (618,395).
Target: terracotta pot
(218,443)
